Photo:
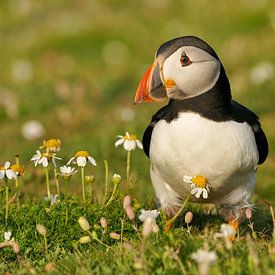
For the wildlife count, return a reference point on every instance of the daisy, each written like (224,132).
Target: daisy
(7,172)
(199,186)
(227,231)
(53,199)
(52,145)
(7,236)
(67,172)
(44,158)
(18,169)
(130,142)
(148,214)
(81,157)
(204,256)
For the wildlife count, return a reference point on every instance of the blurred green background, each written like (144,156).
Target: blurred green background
(73,66)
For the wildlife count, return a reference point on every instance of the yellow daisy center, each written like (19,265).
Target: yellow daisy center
(81,154)
(52,143)
(18,168)
(199,181)
(130,137)
(47,155)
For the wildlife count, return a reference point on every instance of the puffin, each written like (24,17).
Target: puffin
(202,142)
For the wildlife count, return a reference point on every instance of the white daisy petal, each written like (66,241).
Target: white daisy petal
(71,159)
(7,165)
(92,160)
(204,193)
(194,190)
(128,136)
(119,142)
(139,144)
(10,174)
(198,194)
(187,179)
(81,161)
(2,174)
(129,145)
(44,162)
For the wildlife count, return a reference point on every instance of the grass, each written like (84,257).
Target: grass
(161,253)
(85,60)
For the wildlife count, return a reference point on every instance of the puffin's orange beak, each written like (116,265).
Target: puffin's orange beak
(150,88)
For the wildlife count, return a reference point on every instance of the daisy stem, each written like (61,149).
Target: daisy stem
(17,184)
(170,221)
(83,184)
(7,202)
(98,240)
(66,191)
(112,196)
(91,188)
(45,244)
(56,181)
(128,168)
(106,179)
(48,182)
(66,198)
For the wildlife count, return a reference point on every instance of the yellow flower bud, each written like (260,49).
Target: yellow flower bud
(84,224)
(94,235)
(85,239)
(41,229)
(89,178)
(116,179)
(114,235)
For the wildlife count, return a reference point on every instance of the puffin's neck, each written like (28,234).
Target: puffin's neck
(213,104)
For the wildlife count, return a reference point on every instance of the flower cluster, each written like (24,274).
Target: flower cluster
(52,146)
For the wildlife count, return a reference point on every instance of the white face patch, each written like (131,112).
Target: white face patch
(193,79)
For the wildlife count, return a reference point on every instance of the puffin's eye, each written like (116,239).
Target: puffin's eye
(184,59)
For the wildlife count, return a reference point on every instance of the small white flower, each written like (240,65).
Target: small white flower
(7,172)
(130,142)
(7,236)
(67,171)
(148,214)
(199,186)
(53,199)
(204,256)
(40,159)
(148,217)
(226,231)
(116,179)
(44,158)
(81,158)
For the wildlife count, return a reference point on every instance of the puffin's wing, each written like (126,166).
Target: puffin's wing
(242,114)
(146,139)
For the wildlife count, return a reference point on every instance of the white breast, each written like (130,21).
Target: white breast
(225,153)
